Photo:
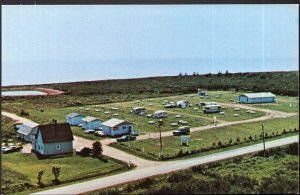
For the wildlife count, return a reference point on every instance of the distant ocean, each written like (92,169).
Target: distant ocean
(64,71)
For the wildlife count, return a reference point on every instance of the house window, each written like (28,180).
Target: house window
(124,127)
(58,147)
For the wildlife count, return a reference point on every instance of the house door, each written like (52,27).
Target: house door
(129,129)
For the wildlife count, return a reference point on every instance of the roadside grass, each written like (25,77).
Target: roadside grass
(252,173)
(280,106)
(206,138)
(73,168)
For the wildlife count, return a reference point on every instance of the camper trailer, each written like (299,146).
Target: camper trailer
(160,114)
(138,110)
(182,103)
(212,107)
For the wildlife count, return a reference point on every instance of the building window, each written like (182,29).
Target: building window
(58,147)
(124,127)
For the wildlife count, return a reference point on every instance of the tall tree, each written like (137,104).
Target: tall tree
(56,173)
(97,149)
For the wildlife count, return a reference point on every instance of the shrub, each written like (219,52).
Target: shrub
(230,141)
(219,143)
(180,153)
(86,151)
(284,132)
(24,113)
(213,144)
(97,149)
(237,139)
(250,138)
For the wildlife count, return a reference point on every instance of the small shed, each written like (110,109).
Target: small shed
(115,126)
(74,118)
(91,123)
(27,131)
(201,92)
(250,98)
(53,139)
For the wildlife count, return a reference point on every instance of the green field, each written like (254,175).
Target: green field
(280,106)
(250,174)
(20,170)
(205,139)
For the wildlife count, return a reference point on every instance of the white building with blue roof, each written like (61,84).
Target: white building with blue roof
(252,98)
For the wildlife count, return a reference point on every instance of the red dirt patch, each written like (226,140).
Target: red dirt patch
(50,91)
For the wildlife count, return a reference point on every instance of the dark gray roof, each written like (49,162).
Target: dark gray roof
(56,132)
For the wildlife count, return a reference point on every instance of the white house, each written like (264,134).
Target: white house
(115,127)
(53,139)
(263,97)
(91,123)
(74,118)
(27,131)
(160,114)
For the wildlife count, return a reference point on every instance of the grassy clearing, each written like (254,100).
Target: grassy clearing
(280,106)
(205,139)
(73,168)
(250,174)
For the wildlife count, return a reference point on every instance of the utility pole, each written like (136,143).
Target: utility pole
(263,136)
(160,123)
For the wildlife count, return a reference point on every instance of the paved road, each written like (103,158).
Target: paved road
(163,168)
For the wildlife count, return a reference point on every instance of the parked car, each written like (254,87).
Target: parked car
(184,130)
(10,149)
(88,131)
(134,133)
(125,138)
(99,133)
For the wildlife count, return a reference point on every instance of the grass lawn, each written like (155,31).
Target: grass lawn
(250,174)
(193,115)
(205,139)
(280,106)
(73,168)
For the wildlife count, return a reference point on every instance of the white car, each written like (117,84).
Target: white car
(89,131)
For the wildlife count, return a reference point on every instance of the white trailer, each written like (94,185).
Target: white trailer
(160,114)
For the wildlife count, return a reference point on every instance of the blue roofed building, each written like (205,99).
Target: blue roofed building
(74,118)
(252,98)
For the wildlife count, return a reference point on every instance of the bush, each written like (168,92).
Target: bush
(85,151)
(237,139)
(24,113)
(284,132)
(250,138)
(219,143)
(230,141)
(180,153)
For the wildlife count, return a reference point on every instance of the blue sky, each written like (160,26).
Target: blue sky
(42,44)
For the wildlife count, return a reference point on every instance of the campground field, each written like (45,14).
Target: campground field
(201,142)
